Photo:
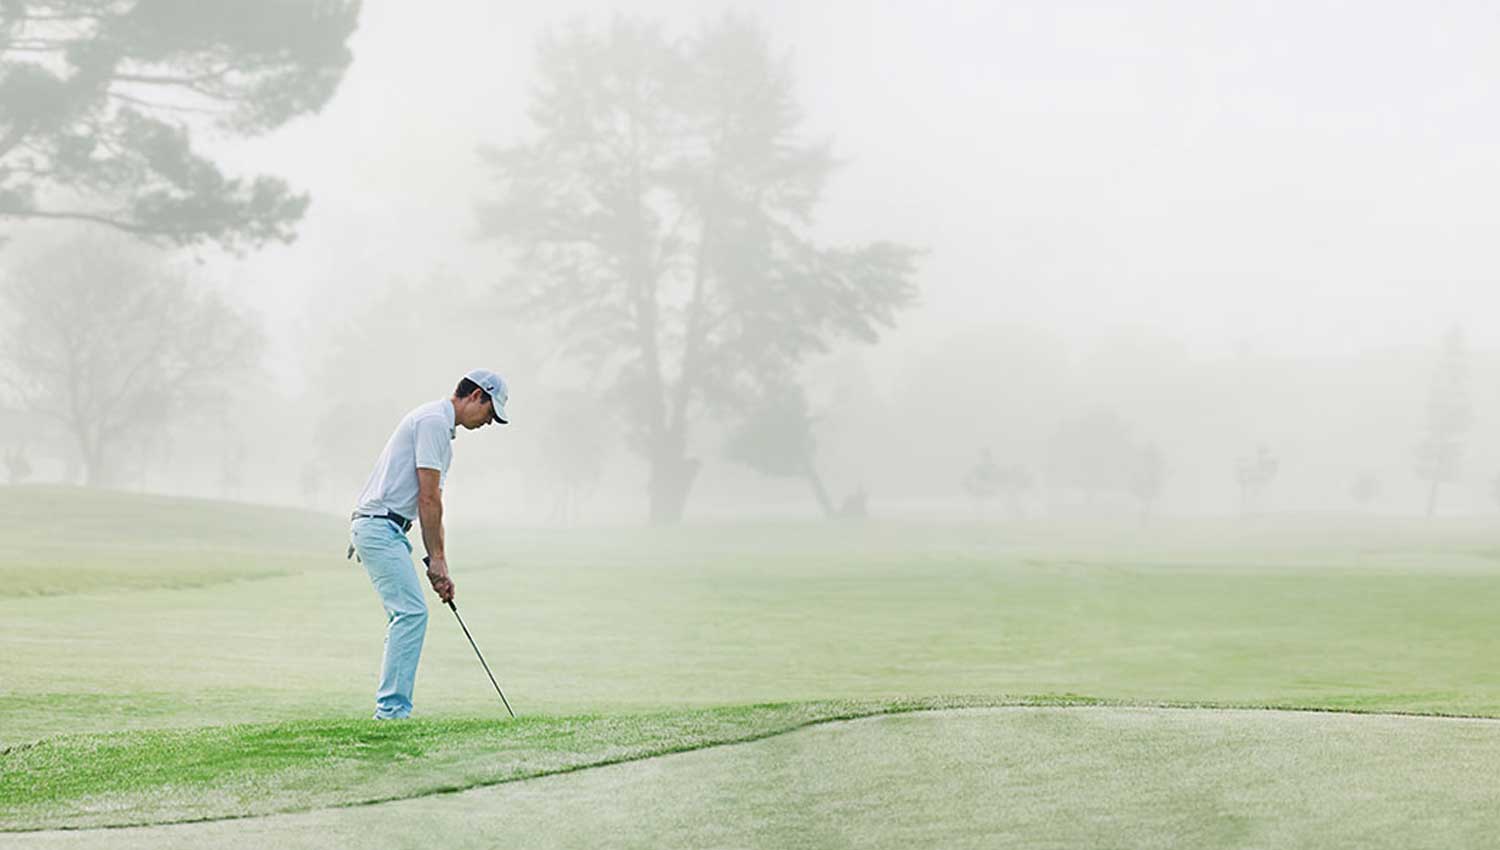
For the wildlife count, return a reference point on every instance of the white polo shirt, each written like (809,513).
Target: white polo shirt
(423,440)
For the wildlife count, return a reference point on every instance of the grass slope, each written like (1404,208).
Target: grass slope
(172,776)
(1037,777)
(116,779)
(63,540)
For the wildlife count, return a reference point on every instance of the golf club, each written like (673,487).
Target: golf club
(487,672)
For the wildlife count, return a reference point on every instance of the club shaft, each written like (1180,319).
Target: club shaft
(428,562)
(481,658)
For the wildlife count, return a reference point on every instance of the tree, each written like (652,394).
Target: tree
(1365,489)
(98,99)
(1148,475)
(982,481)
(1255,474)
(659,221)
(232,469)
(1015,482)
(856,505)
(17,467)
(1093,453)
(1449,417)
(108,343)
(985,480)
(777,440)
(1099,453)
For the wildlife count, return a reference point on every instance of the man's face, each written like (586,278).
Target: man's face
(479,412)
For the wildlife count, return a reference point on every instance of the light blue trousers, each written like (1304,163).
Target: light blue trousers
(386,554)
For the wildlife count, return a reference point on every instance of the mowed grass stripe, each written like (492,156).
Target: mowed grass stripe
(228,772)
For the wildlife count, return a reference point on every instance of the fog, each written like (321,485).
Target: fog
(1166,259)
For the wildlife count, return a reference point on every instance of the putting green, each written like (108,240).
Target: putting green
(1011,777)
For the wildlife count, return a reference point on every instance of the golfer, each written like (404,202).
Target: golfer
(408,482)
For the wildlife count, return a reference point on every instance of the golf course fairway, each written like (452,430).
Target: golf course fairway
(204,670)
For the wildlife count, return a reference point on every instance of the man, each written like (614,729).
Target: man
(408,481)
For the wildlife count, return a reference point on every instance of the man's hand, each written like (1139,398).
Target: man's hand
(437,574)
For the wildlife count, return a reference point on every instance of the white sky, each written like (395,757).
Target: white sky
(1305,177)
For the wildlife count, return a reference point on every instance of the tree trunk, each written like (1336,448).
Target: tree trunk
(672,477)
(672,474)
(91,452)
(94,474)
(819,491)
(1432,497)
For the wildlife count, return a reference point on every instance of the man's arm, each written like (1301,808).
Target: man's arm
(430,511)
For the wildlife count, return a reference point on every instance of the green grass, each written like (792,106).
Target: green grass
(163,650)
(63,540)
(1075,778)
(999,778)
(172,776)
(582,626)
(162,776)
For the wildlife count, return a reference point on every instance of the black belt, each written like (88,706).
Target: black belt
(398,520)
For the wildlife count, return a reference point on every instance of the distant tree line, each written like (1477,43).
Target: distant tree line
(1097,454)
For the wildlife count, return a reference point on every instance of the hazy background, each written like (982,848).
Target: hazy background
(1170,230)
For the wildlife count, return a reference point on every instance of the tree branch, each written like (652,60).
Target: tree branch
(166,80)
(168,107)
(92,218)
